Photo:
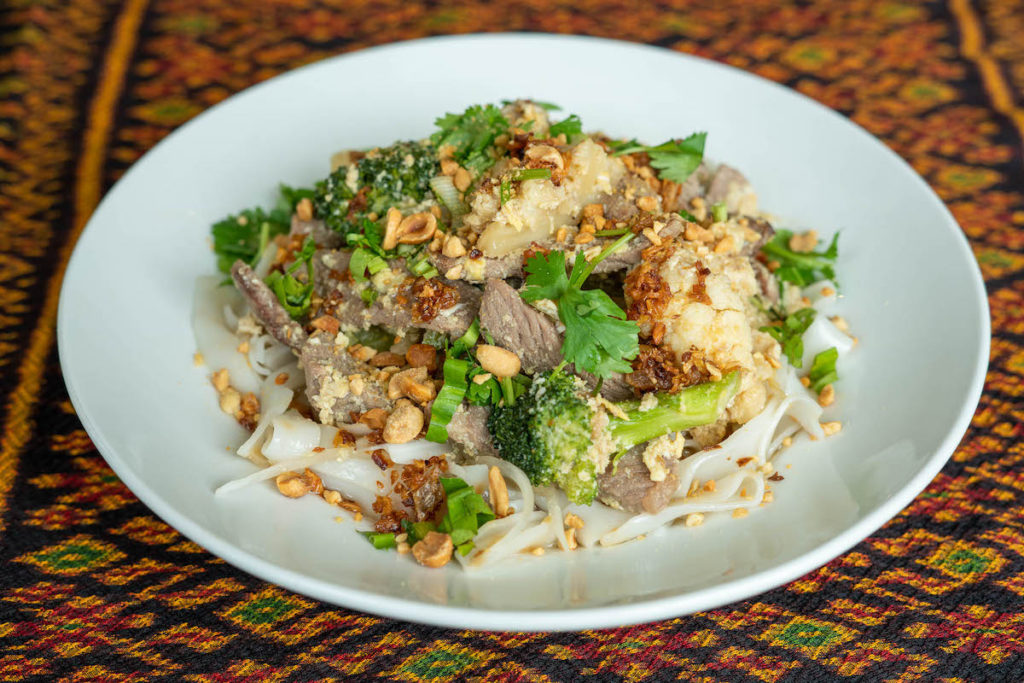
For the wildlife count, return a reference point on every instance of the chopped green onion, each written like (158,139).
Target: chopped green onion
(466,512)
(365,260)
(417,530)
(467,340)
(718,212)
(506,192)
(369,295)
(448,399)
(380,541)
(823,369)
(687,215)
(611,233)
(530,173)
(444,189)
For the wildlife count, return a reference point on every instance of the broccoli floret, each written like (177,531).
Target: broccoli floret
(547,432)
(397,176)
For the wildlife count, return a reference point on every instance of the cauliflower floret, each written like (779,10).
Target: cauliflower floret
(710,311)
(539,207)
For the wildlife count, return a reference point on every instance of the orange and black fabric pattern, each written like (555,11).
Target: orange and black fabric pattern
(93,587)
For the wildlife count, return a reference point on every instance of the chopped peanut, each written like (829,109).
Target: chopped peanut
(449,166)
(804,242)
(230,401)
(648,203)
(413,383)
(386,359)
(453,247)
(220,380)
(434,549)
(498,491)
(295,485)
(304,209)
(694,519)
(462,180)
(498,361)
(740,513)
(831,428)
(422,356)
(827,396)
(374,418)
(404,423)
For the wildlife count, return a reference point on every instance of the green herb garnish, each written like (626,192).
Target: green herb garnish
(380,541)
(674,159)
(801,268)
(472,134)
(598,338)
(718,212)
(294,294)
(466,512)
(789,333)
(245,235)
(823,369)
(571,126)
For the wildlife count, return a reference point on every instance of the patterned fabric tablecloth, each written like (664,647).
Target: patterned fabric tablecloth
(94,587)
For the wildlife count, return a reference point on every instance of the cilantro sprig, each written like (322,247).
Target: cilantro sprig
(294,294)
(823,369)
(246,234)
(472,133)
(801,268)
(789,332)
(674,159)
(571,127)
(598,338)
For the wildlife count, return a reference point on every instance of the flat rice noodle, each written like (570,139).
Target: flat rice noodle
(289,436)
(214,340)
(291,465)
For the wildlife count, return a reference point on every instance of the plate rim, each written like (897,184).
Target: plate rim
(642,610)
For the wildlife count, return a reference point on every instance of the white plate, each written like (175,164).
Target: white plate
(913,294)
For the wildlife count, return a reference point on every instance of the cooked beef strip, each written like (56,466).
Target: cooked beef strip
(627,485)
(324,237)
(761,226)
(724,179)
(327,364)
(467,431)
(632,254)
(517,326)
(266,308)
(332,283)
(533,336)
(494,267)
(766,281)
(620,205)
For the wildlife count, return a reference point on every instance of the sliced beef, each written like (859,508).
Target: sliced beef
(727,185)
(324,237)
(766,281)
(328,368)
(517,326)
(467,431)
(500,267)
(765,229)
(631,255)
(427,498)
(627,485)
(334,284)
(695,186)
(533,336)
(265,306)
(620,205)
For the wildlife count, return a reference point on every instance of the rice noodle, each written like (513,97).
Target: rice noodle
(290,435)
(300,463)
(274,400)
(217,343)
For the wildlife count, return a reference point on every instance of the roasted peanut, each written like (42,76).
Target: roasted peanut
(374,418)
(498,491)
(422,356)
(434,549)
(295,485)
(453,247)
(498,361)
(545,154)
(385,359)
(304,209)
(404,423)
(413,383)
(414,229)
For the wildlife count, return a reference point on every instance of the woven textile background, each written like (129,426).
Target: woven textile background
(94,587)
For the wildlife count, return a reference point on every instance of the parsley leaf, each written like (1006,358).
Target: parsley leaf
(598,338)
(570,126)
(789,333)
(674,159)
(294,294)
(801,268)
(472,134)
(466,512)
(823,369)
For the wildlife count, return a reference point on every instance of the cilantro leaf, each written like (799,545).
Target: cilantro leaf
(472,134)
(570,126)
(789,333)
(598,338)
(245,235)
(801,268)
(674,159)
(294,294)
(823,369)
